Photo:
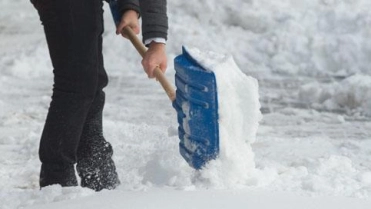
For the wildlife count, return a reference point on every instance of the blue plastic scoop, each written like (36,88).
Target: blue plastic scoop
(197,106)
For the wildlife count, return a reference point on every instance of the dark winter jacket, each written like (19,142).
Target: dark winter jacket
(153,13)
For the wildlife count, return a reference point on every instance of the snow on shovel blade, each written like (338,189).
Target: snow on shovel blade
(197,106)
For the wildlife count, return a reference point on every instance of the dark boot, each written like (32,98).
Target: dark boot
(57,174)
(94,155)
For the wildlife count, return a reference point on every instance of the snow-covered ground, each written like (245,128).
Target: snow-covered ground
(312,59)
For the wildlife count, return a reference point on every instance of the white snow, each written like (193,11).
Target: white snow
(353,94)
(166,198)
(312,149)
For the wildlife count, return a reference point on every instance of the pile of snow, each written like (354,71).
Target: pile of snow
(352,94)
(239,116)
(306,37)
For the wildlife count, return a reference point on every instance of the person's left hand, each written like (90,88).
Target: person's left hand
(129,18)
(155,57)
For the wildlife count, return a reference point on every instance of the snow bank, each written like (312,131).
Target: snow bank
(306,37)
(352,94)
(239,116)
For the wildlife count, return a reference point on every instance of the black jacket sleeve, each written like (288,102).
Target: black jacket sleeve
(154,18)
(153,13)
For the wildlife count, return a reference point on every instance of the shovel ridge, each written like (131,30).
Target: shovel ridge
(201,103)
(186,85)
(197,139)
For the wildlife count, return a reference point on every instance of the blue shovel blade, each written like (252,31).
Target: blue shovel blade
(196,104)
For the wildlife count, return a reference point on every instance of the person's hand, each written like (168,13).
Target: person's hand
(155,57)
(129,18)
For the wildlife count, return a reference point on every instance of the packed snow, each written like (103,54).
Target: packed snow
(351,95)
(311,60)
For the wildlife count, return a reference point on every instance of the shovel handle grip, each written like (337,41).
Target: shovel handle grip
(157,72)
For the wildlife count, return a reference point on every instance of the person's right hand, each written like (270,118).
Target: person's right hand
(154,57)
(129,18)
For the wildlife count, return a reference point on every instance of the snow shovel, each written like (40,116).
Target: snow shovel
(195,101)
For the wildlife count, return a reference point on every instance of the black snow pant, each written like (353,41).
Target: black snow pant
(73,129)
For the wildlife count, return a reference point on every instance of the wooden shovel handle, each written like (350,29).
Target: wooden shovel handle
(157,72)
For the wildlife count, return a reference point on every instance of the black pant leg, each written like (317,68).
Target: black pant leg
(73,29)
